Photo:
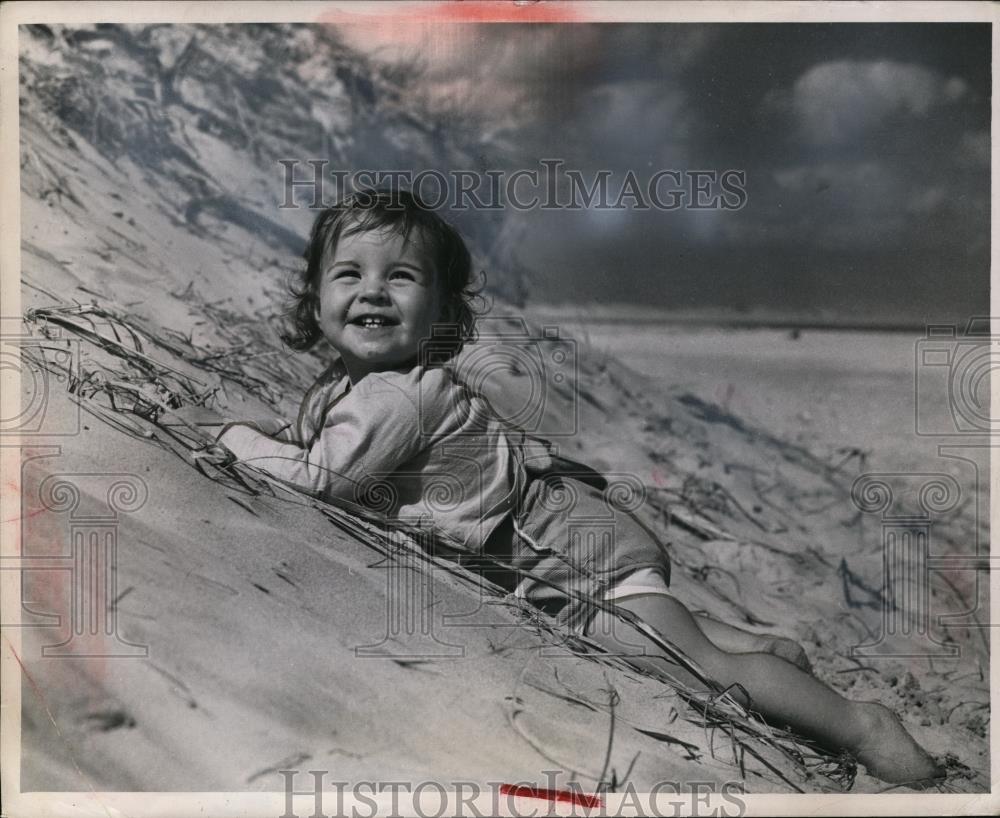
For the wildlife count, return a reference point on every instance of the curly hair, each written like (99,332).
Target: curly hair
(404,212)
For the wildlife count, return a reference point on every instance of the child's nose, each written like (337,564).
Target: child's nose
(373,290)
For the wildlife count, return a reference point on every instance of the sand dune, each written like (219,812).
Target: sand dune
(253,602)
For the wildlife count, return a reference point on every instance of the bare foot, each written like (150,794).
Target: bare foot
(890,753)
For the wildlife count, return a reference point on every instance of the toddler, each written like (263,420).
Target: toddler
(391,428)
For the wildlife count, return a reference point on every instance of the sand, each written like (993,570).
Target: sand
(253,603)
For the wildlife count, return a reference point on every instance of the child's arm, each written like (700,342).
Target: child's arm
(301,430)
(368,434)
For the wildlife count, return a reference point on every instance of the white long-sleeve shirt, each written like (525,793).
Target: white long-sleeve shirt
(415,446)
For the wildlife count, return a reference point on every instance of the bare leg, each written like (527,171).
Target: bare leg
(780,691)
(736,640)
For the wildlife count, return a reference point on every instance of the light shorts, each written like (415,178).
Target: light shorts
(572,543)
(643,581)
(587,549)
(638,583)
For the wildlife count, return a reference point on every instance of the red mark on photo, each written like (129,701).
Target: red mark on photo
(560,796)
(467,11)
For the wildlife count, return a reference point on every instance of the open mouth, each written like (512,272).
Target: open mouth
(374,321)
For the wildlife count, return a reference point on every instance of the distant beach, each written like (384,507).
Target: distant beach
(823,388)
(772,317)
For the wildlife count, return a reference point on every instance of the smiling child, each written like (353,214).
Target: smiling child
(383,272)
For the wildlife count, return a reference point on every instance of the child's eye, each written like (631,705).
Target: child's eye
(343,273)
(404,275)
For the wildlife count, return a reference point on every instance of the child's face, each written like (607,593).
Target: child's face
(378,298)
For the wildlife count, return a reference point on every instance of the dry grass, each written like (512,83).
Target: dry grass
(126,380)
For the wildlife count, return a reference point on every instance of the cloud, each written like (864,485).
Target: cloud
(840,101)
(927,200)
(871,205)
(974,149)
(862,181)
(841,204)
(548,56)
(519,76)
(635,122)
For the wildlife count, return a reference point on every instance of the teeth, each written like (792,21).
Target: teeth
(372,322)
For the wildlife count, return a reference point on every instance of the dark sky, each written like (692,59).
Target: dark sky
(865,146)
